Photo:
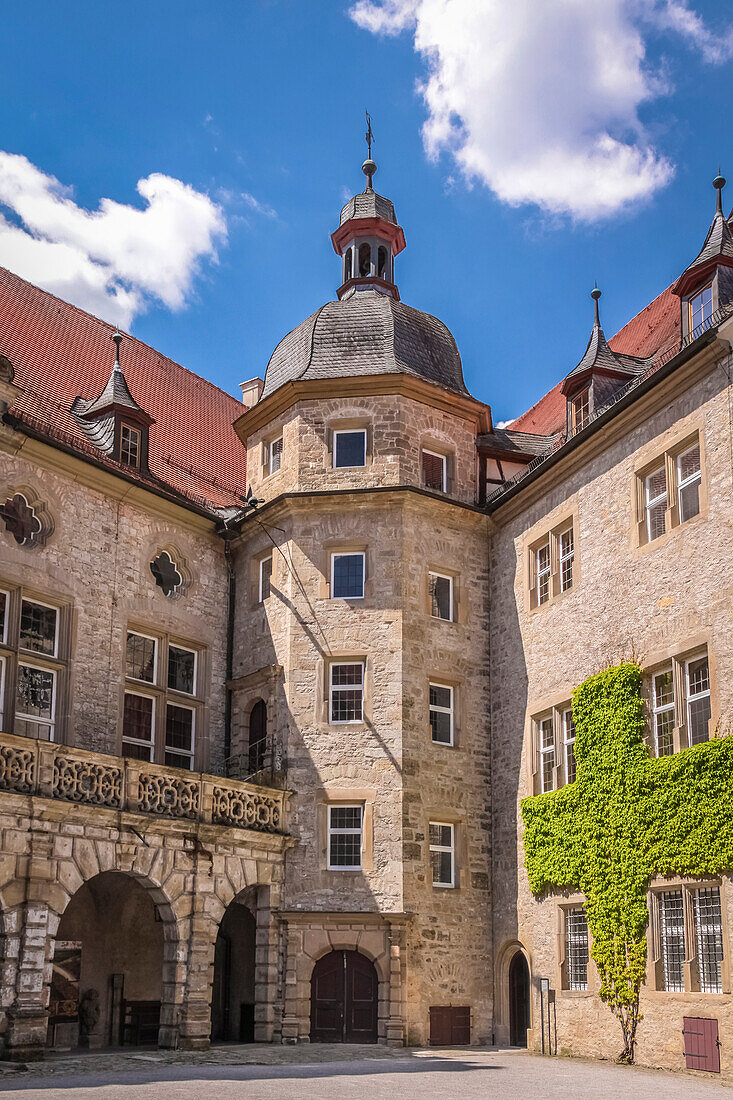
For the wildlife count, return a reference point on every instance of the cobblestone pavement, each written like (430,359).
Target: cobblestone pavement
(344,1073)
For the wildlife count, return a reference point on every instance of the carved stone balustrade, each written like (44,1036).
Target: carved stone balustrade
(95,779)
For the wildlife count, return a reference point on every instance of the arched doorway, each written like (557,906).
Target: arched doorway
(233,990)
(107,976)
(518,1000)
(344,999)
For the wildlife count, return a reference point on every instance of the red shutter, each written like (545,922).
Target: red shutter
(702,1047)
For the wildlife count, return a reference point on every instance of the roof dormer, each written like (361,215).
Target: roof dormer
(706,285)
(113,421)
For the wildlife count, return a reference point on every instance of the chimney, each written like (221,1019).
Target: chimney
(251,391)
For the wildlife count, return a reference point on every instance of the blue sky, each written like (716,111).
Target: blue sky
(566,141)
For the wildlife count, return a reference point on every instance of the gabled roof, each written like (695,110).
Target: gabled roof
(60,353)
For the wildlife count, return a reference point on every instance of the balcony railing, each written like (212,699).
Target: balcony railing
(95,779)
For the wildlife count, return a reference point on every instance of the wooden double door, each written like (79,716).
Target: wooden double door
(344,998)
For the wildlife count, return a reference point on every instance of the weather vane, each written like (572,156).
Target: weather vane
(369,135)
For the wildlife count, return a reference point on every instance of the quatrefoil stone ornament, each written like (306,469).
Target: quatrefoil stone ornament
(21,520)
(166,574)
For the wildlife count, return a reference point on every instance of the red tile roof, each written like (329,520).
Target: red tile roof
(60,352)
(653,331)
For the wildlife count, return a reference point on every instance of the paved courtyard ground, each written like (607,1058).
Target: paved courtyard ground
(344,1073)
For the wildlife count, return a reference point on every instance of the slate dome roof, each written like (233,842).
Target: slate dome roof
(367,333)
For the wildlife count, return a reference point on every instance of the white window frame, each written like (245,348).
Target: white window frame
(124,426)
(40,603)
(348,554)
(445,577)
(271,455)
(444,463)
(270,558)
(348,431)
(543,573)
(135,740)
(546,751)
(450,711)
(49,723)
(690,698)
(154,640)
(691,307)
(186,649)
(683,483)
(451,849)
(346,832)
(650,503)
(566,556)
(568,743)
(179,752)
(338,688)
(665,708)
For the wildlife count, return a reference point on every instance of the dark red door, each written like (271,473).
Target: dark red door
(702,1046)
(344,991)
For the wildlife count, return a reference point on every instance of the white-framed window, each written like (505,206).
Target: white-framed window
(543,565)
(349,447)
(689,476)
(701,307)
(580,411)
(347,575)
(697,679)
(663,711)
(35,701)
(702,906)
(345,837)
(346,692)
(442,853)
(441,713)
(276,454)
(434,471)
(440,587)
(567,556)
(655,490)
(129,445)
(162,700)
(576,948)
(568,730)
(547,754)
(39,627)
(265,578)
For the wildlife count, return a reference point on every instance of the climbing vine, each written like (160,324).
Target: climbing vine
(628,816)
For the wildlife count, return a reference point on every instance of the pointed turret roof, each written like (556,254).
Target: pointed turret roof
(717,247)
(115,395)
(599,356)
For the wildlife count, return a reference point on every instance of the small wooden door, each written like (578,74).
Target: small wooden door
(518,1000)
(344,993)
(450,1025)
(702,1045)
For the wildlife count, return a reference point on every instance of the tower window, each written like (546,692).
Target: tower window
(347,264)
(434,471)
(349,448)
(382,271)
(129,445)
(347,576)
(701,308)
(365,259)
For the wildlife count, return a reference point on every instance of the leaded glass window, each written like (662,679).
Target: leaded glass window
(345,826)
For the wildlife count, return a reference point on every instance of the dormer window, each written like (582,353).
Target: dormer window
(580,411)
(129,445)
(701,307)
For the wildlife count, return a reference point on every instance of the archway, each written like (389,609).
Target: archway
(344,999)
(518,1000)
(107,977)
(233,990)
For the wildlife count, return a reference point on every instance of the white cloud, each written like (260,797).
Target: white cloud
(503,424)
(258,207)
(112,261)
(540,99)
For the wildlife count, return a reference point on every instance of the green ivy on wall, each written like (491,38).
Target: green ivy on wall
(628,816)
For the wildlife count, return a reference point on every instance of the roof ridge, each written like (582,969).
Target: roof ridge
(108,324)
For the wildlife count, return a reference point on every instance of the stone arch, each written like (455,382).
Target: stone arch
(501,991)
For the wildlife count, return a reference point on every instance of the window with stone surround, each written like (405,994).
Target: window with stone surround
(346,692)
(440,591)
(687,940)
(441,705)
(162,704)
(576,948)
(552,566)
(678,695)
(345,837)
(347,575)
(272,454)
(553,748)
(349,447)
(264,578)
(35,646)
(670,490)
(434,471)
(442,842)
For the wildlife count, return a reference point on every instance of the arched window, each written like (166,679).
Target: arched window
(382,269)
(257,736)
(365,259)
(347,265)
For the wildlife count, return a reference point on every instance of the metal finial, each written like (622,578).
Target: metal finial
(595,295)
(719,184)
(117,337)
(369,167)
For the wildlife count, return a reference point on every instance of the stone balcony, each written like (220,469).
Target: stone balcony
(79,777)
